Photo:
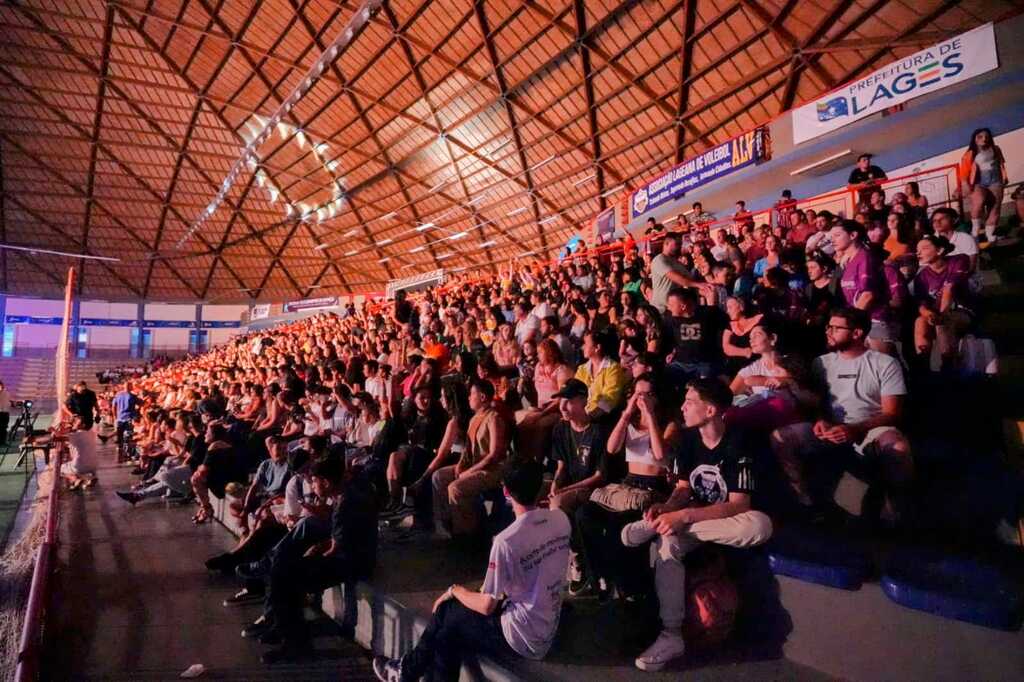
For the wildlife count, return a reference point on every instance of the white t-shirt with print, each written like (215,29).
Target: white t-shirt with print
(856,386)
(527,567)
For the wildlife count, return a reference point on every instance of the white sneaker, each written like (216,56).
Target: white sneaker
(638,533)
(668,647)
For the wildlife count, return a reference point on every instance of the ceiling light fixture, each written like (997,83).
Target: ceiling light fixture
(425,226)
(519,210)
(583,180)
(266,127)
(543,163)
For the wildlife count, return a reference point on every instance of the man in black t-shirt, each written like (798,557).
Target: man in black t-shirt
(865,177)
(695,333)
(578,450)
(711,503)
(82,403)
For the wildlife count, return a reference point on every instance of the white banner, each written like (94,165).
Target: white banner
(260,311)
(951,61)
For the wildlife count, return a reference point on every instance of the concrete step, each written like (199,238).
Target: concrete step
(829,633)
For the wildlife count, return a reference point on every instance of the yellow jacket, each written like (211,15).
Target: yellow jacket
(606,388)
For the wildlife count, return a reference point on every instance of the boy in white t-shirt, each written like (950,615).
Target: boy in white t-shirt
(517,609)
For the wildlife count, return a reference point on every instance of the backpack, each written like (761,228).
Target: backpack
(712,600)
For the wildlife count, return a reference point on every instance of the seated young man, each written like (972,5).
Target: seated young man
(578,448)
(271,478)
(348,555)
(457,488)
(861,412)
(518,608)
(711,502)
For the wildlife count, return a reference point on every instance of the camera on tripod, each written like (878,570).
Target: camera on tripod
(25,405)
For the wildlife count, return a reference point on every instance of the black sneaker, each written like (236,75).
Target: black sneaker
(138,471)
(387,669)
(579,587)
(257,628)
(243,597)
(254,570)
(128,496)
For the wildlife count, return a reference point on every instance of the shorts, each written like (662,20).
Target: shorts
(882,331)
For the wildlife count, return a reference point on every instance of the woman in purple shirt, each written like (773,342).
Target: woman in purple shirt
(942,295)
(863,283)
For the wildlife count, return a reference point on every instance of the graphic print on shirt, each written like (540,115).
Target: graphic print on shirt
(708,485)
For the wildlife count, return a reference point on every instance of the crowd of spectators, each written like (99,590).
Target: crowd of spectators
(636,401)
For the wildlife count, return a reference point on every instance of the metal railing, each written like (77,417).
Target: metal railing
(30,648)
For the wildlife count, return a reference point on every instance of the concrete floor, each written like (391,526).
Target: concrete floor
(133,601)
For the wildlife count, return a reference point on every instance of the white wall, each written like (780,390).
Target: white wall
(36,335)
(224,312)
(169,311)
(108,311)
(111,338)
(38,307)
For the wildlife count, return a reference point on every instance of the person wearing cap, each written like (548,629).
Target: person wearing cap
(865,177)
(578,448)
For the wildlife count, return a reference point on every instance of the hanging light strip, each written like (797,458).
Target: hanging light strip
(34,250)
(358,21)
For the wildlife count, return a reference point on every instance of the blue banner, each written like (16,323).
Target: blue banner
(106,322)
(746,150)
(31,319)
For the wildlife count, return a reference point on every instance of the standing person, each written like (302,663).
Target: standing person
(987,181)
(126,408)
(667,273)
(5,413)
(863,284)
(82,403)
(518,608)
(865,177)
(710,503)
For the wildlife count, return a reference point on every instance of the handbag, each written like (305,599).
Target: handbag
(617,497)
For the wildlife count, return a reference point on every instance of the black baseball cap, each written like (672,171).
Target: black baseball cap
(573,388)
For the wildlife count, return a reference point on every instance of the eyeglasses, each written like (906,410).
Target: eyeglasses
(835,327)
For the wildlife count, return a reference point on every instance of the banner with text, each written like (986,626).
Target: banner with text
(311,304)
(951,61)
(746,150)
(260,311)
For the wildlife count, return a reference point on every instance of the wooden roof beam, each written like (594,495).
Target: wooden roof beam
(189,132)
(583,42)
(97,123)
(510,112)
(817,33)
(685,69)
(361,113)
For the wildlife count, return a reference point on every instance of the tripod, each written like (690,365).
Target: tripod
(25,423)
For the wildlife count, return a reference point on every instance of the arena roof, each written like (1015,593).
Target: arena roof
(444,133)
